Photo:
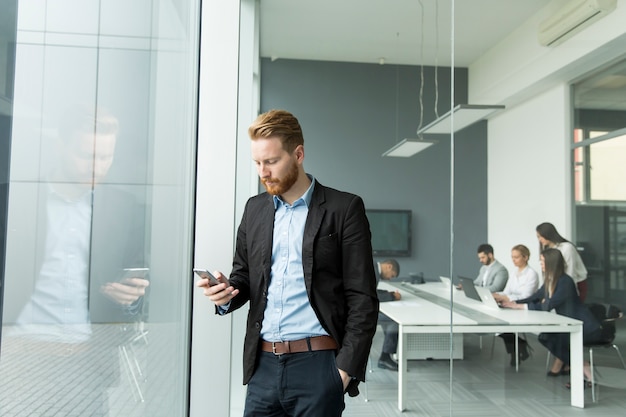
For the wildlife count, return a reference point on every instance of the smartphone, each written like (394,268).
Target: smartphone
(135,273)
(203,273)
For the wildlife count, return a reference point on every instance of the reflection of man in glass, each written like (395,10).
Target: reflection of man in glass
(87,233)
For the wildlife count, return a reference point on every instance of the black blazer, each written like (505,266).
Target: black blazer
(338,274)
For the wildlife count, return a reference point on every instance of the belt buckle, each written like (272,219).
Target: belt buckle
(279,353)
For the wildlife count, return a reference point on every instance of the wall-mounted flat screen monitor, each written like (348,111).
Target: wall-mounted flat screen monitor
(391,232)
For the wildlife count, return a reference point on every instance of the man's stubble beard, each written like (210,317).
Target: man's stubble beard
(282,186)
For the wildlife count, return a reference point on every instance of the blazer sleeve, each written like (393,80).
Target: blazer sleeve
(563,296)
(360,296)
(384,295)
(500,277)
(479,279)
(534,302)
(240,274)
(561,299)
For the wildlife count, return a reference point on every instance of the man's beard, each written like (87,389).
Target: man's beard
(282,186)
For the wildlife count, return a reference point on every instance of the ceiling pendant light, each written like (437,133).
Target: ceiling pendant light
(411,146)
(459,117)
(464,116)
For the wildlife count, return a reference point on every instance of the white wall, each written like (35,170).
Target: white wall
(528,150)
(518,67)
(529,173)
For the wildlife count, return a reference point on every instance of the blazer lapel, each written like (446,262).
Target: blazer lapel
(266,222)
(311,228)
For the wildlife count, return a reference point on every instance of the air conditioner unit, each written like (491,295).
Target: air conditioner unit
(572,18)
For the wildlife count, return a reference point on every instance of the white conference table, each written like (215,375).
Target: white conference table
(425,308)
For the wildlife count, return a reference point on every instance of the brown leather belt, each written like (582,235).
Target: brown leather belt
(303,345)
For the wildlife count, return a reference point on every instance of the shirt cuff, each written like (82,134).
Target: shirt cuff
(221,310)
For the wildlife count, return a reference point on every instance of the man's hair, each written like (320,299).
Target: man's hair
(81,119)
(395,266)
(486,248)
(522,249)
(278,124)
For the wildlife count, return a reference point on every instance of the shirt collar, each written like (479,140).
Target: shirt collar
(304,199)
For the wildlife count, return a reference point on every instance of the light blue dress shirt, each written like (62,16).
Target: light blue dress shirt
(58,308)
(288,313)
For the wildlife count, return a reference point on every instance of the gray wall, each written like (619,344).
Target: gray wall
(351,113)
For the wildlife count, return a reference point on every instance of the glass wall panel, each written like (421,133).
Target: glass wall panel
(600,207)
(492,182)
(96,306)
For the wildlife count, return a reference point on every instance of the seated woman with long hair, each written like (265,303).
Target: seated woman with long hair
(559,293)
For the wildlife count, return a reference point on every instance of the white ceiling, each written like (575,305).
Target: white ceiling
(368,30)
(409,32)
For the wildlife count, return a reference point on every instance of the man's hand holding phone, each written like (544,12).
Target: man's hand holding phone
(216,286)
(129,288)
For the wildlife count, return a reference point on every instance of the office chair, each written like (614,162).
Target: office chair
(607,315)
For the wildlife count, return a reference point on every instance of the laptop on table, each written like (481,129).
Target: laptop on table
(470,289)
(481,294)
(487,298)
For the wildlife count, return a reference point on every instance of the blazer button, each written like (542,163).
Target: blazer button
(257,325)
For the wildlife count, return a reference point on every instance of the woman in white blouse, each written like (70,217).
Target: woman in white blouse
(574,267)
(522,283)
